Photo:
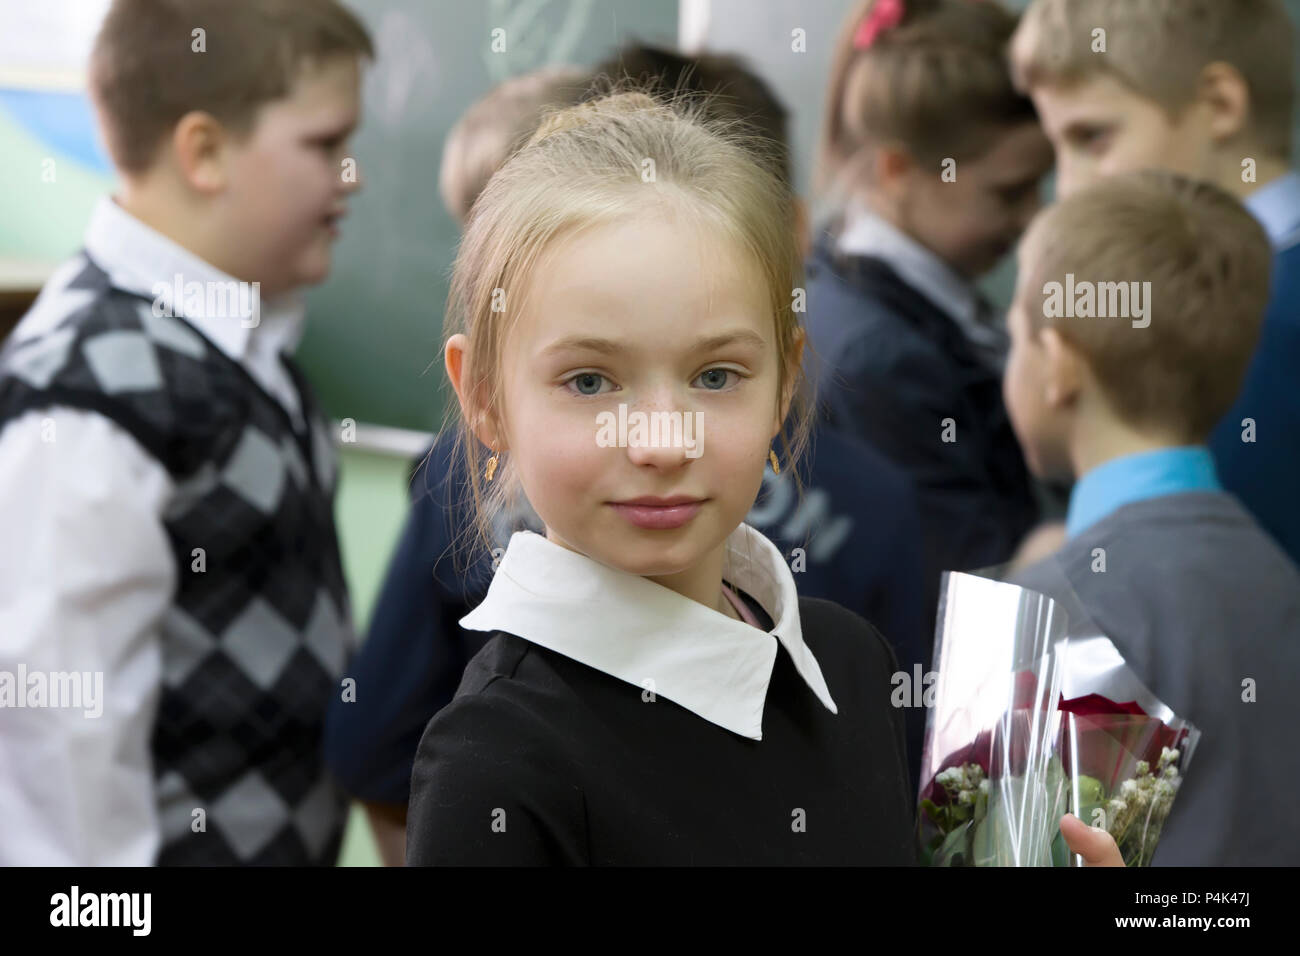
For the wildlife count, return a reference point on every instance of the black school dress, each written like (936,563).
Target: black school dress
(611,721)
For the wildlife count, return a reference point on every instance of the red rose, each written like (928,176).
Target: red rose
(1107,734)
(1112,737)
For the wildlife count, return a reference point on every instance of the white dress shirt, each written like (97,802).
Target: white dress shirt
(867,234)
(698,657)
(87,574)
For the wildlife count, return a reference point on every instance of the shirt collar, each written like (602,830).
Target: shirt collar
(867,234)
(137,257)
(714,666)
(1277,207)
(1130,478)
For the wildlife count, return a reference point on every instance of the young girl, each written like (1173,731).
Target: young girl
(928,172)
(654,690)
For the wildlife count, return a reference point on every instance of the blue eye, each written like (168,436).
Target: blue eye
(712,374)
(587,379)
(589,383)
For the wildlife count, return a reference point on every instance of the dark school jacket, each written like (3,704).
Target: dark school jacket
(894,371)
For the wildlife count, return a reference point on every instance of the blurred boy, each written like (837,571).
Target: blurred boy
(1122,394)
(166,479)
(495,126)
(1203,88)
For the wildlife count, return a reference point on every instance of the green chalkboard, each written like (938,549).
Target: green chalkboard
(374,330)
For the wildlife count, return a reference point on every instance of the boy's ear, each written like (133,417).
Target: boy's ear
(199,141)
(1063,370)
(1225,92)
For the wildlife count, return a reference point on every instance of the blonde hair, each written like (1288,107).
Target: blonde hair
(583,167)
(1158,48)
(1208,262)
(498,124)
(937,84)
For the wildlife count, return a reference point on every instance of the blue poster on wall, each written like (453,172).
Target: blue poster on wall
(55,167)
(60,121)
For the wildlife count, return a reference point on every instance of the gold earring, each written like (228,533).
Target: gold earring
(776,465)
(491,466)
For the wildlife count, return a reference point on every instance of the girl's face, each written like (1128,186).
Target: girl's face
(976,219)
(660,317)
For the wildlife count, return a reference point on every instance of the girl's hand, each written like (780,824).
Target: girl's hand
(1097,847)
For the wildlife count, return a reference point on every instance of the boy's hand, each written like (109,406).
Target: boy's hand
(1096,846)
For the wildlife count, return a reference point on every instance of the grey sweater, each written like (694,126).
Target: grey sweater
(1199,600)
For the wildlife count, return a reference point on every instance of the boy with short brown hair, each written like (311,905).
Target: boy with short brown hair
(1137,309)
(1203,88)
(166,478)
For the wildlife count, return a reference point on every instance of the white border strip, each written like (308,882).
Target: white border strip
(693,25)
(383,440)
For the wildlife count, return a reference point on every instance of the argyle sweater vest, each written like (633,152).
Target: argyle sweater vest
(258,631)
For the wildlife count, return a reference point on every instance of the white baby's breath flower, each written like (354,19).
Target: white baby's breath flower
(1164,798)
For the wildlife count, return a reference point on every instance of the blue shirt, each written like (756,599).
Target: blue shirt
(1129,478)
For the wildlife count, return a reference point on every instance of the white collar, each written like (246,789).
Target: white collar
(137,257)
(867,234)
(714,666)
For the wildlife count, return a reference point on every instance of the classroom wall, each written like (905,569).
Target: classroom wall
(52,167)
(369,510)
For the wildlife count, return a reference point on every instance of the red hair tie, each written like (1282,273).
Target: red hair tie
(884,15)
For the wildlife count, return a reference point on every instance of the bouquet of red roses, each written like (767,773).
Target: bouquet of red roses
(1029,723)
(1121,750)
